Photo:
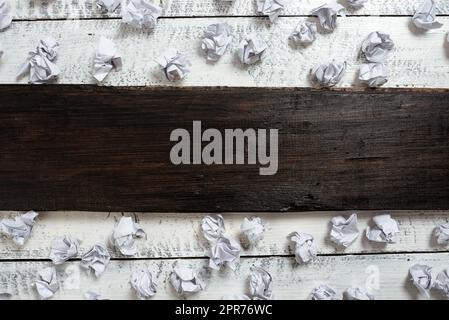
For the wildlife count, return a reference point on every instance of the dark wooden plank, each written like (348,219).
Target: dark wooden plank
(89,148)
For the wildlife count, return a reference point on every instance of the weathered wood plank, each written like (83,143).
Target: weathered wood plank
(74,9)
(89,148)
(421,60)
(389,272)
(171,235)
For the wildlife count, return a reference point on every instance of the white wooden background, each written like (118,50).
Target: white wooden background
(420,60)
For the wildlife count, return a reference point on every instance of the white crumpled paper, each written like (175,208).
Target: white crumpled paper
(5,15)
(174,64)
(141,14)
(96,259)
(142,282)
(357,293)
(63,249)
(225,251)
(91,295)
(425,16)
(186,279)
(421,278)
(323,292)
(442,283)
(373,74)
(253,228)
(344,231)
(47,283)
(327,15)
(384,230)
(377,46)
(304,33)
(271,8)
(235,297)
(40,62)
(213,227)
(251,49)
(327,75)
(357,3)
(106,59)
(442,233)
(305,249)
(216,40)
(20,228)
(260,284)
(124,234)
(108,5)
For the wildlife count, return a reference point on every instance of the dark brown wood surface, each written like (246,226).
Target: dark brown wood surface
(89,148)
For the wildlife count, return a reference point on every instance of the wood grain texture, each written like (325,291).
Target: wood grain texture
(89,148)
(420,60)
(172,235)
(76,9)
(289,280)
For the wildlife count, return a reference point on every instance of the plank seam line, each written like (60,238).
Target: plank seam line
(242,257)
(217,17)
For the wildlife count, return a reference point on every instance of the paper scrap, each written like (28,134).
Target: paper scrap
(377,46)
(106,59)
(357,293)
(235,297)
(47,283)
(20,228)
(344,231)
(305,249)
(40,62)
(63,249)
(384,230)
(253,228)
(323,292)
(442,233)
(327,15)
(251,49)
(216,40)
(442,283)
(304,33)
(328,75)
(106,6)
(421,278)
(124,234)
(96,259)
(373,74)
(271,8)
(174,64)
(425,16)
(5,15)
(213,227)
(91,295)
(141,14)
(186,279)
(225,251)
(142,282)
(260,284)
(357,3)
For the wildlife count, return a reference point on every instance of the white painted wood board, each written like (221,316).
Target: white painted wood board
(75,9)
(386,272)
(420,60)
(177,235)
